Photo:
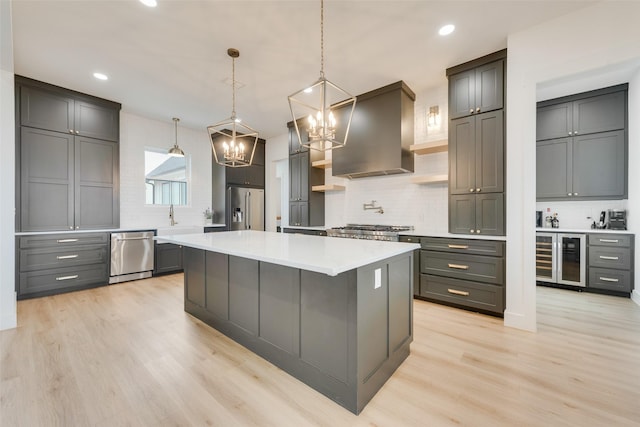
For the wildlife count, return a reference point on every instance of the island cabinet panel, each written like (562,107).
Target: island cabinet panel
(325,323)
(280,306)
(343,335)
(244,293)
(194,276)
(373,288)
(217,284)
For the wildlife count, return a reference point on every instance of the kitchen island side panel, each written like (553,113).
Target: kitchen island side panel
(321,329)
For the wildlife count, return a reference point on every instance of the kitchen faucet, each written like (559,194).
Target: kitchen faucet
(171,216)
(372,205)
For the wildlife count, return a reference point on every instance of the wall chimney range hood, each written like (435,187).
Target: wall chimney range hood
(381,132)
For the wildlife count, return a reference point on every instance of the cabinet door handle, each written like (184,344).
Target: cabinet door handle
(71,131)
(569,133)
(66,256)
(75,276)
(458,246)
(569,194)
(457,292)
(478,110)
(458,266)
(478,190)
(471,190)
(609,240)
(477,231)
(612,258)
(471,111)
(66,240)
(608,279)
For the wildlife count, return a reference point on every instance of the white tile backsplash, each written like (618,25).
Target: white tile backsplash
(579,214)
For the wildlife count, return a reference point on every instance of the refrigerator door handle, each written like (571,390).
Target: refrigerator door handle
(246,209)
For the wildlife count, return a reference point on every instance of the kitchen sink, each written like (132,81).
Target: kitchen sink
(180,229)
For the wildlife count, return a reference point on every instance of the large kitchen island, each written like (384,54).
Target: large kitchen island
(334,313)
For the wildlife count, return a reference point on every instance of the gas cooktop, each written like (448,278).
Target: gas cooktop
(388,233)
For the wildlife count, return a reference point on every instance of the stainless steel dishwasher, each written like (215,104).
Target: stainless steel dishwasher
(131,256)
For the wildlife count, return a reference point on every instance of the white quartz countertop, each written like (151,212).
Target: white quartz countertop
(327,255)
(581,230)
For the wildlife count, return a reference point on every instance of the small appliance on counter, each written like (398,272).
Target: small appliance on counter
(617,219)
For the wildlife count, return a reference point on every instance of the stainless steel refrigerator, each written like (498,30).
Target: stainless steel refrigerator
(245,208)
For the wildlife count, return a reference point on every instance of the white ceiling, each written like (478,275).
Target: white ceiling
(171,61)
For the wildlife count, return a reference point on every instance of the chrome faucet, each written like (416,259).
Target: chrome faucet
(372,205)
(171,216)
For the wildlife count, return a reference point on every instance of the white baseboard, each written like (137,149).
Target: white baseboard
(519,321)
(635,296)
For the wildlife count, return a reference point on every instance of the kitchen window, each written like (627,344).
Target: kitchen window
(166,178)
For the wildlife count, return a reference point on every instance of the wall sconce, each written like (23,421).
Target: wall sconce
(433,117)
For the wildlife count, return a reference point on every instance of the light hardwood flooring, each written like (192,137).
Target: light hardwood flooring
(128,355)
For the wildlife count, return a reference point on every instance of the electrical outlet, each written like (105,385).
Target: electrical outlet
(377,278)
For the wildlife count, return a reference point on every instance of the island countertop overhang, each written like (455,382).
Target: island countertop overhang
(327,255)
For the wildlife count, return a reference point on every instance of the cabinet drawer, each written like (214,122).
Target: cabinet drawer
(613,280)
(42,258)
(409,239)
(470,246)
(61,240)
(467,267)
(600,256)
(475,295)
(45,282)
(616,240)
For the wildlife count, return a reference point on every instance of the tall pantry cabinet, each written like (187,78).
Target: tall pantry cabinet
(476,146)
(67,159)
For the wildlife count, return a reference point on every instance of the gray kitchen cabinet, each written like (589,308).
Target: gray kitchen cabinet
(583,167)
(194,276)
(67,182)
(168,258)
(610,263)
(49,264)
(582,146)
(476,90)
(294,142)
(67,155)
(477,214)
(476,154)
(476,146)
(306,207)
(590,114)
(464,273)
(49,107)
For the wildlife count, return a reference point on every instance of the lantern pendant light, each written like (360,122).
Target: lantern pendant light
(322,112)
(176,151)
(233,142)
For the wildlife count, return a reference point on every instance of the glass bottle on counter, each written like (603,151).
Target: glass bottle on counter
(555,222)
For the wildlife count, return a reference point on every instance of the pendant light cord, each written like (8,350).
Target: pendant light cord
(233,83)
(322,38)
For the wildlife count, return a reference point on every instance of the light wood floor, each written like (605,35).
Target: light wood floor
(128,354)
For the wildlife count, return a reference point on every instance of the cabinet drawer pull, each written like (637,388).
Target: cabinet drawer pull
(608,279)
(612,258)
(458,266)
(66,256)
(75,276)
(66,240)
(609,240)
(458,246)
(457,292)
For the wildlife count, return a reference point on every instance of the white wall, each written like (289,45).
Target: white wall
(404,203)
(594,38)
(276,184)
(138,132)
(8,317)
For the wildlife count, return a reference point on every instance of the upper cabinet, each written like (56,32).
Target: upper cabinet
(592,114)
(68,159)
(55,110)
(477,90)
(476,146)
(582,146)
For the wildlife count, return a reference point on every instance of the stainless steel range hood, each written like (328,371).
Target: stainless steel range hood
(380,135)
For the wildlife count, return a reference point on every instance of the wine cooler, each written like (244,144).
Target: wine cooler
(561,258)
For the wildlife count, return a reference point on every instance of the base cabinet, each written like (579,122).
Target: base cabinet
(49,264)
(464,273)
(168,258)
(610,262)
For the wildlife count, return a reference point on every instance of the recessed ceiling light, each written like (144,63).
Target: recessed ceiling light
(100,76)
(447,29)
(149,3)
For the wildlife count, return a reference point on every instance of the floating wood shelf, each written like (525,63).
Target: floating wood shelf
(329,187)
(322,164)
(430,147)
(430,179)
